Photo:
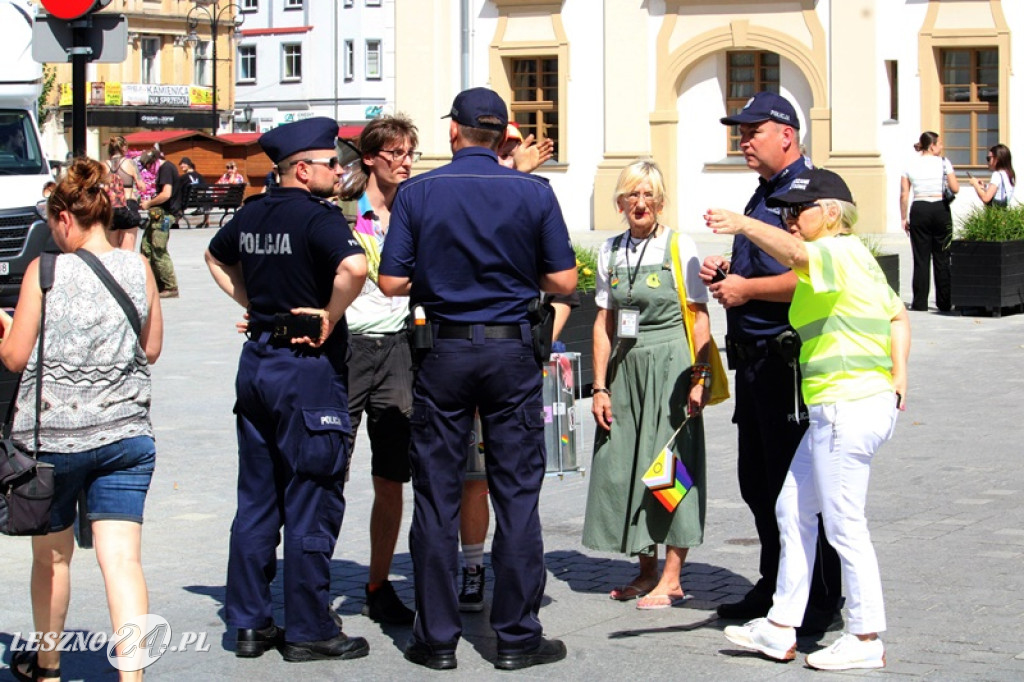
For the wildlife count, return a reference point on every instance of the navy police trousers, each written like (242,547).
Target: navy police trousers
(501,379)
(293,435)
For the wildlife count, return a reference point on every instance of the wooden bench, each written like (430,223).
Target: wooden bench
(201,199)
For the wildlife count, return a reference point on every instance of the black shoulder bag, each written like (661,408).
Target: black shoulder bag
(26,485)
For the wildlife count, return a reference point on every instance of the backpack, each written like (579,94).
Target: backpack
(115,190)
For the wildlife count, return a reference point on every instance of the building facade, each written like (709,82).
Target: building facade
(613,80)
(166,79)
(302,58)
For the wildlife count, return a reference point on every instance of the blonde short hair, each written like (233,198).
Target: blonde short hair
(635,173)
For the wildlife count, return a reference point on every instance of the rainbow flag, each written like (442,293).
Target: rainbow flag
(672,495)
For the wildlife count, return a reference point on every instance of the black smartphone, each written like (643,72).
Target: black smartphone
(296,326)
(899,399)
(719,274)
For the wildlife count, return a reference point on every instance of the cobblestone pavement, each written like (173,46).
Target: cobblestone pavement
(944,512)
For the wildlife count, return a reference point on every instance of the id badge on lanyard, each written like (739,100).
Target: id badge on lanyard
(627,322)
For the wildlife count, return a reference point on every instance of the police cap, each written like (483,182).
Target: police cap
(476,103)
(312,133)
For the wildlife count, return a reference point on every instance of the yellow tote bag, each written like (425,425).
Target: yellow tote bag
(719,379)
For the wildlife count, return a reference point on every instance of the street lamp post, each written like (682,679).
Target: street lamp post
(214,13)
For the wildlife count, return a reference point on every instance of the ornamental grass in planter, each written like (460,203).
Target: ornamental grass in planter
(987,260)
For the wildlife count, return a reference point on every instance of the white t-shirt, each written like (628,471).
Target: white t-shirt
(1004,190)
(925,173)
(696,292)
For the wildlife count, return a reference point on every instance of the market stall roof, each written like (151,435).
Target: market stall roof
(148,137)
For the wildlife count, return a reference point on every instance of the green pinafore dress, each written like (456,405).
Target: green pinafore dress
(649,382)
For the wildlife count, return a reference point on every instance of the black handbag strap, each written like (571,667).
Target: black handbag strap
(114,288)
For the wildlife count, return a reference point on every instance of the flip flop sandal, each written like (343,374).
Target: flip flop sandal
(34,672)
(627,593)
(659,601)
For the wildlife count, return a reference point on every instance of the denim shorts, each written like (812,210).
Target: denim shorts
(115,478)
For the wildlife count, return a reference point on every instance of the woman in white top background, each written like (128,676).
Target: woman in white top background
(999,189)
(929,222)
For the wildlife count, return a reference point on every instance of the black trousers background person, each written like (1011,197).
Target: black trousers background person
(931,230)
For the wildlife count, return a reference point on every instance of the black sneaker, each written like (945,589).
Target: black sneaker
(471,598)
(546,651)
(384,606)
(341,647)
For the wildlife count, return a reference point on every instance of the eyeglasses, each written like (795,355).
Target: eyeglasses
(398,156)
(793,211)
(635,197)
(330,162)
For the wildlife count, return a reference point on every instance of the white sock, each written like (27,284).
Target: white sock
(473,555)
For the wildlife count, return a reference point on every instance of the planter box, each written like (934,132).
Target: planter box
(890,264)
(578,337)
(987,275)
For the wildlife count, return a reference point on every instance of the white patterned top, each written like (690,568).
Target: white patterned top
(96,379)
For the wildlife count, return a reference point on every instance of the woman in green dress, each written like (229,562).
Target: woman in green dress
(644,388)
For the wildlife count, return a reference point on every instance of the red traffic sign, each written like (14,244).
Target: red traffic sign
(69,9)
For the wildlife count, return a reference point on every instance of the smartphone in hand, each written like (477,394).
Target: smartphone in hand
(719,274)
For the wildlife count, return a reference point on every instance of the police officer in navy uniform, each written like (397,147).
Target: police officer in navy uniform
(770,414)
(285,255)
(471,243)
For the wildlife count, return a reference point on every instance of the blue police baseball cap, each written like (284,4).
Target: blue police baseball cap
(319,132)
(765,106)
(470,105)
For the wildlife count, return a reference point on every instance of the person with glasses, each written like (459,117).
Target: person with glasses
(998,191)
(855,336)
(231,175)
(929,222)
(288,258)
(645,389)
(380,364)
(770,416)
(471,243)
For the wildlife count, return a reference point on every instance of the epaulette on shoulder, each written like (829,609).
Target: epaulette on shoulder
(326,203)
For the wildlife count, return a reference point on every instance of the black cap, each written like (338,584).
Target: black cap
(765,106)
(319,132)
(811,185)
(470,105)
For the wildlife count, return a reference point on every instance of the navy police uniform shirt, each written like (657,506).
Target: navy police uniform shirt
(290,244)
(761,319)
(475,238)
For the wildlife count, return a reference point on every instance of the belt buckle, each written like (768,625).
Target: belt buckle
(280,331)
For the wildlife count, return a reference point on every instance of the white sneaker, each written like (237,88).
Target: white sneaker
(760,635)
(849,652)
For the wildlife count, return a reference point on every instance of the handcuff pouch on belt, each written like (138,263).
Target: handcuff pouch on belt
(541,315)
(785,346)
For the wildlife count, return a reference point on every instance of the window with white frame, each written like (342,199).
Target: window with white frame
(149,52)
(246,63)
(293,4)
(202,63)
(373,3)
(349,60)
(348,3)
(291,66)
(250,5)
(373,67)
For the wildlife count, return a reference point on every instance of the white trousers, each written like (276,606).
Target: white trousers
(829,475)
